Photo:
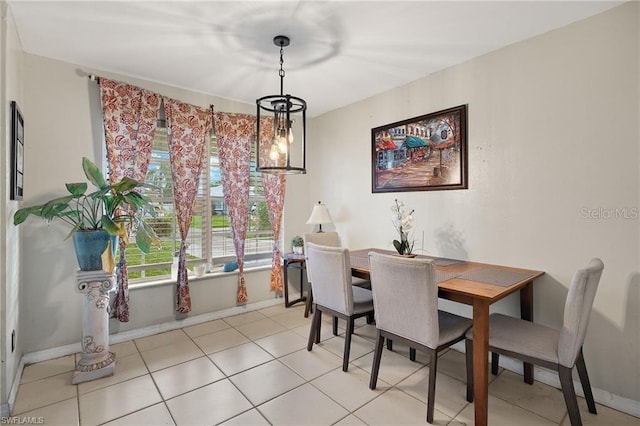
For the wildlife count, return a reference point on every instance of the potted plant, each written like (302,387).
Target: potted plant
(96,216)
(297,243)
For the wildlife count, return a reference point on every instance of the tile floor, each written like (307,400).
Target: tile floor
(254,369)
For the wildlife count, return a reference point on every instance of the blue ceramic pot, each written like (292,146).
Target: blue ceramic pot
(89,246)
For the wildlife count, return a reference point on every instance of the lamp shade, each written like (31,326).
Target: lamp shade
(319,215)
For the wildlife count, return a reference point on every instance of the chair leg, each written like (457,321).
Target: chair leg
(314,332)
(495,357)
(431,396)
(389,344)
(335,326)
(569,393)
(468,351)
(586,384)
(412,354)
(347,344)
(308,304)
(370,318)
(319,323)
(377,355)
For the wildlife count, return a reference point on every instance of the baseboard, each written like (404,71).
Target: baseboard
(7,408)
(46,354)
(542,375)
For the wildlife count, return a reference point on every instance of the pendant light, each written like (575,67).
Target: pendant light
(287,148)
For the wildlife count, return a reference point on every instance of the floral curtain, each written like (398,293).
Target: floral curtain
(130,117)
(188,129)
(274,189)
(234,134)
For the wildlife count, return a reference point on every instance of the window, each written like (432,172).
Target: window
(209,236)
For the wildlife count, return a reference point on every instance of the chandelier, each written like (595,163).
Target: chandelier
(287,148)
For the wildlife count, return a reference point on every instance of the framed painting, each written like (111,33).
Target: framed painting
(17,152)
(425,153)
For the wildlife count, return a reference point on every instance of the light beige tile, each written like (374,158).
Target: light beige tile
(187,376)
(262,328)
(606,416)
(248,418)
(240,358)
(127,367)
(266,381)
(501,413)
(43,392)
(359,346)
(542,399)
(397,408)
(292,318)
(63,413)
(312,364)
(280,309)
(350,420)
(451,394)
(305,405)
(245,318)
(350,389)
(393,367)
(124,349)
(166,356)
(211,404)
(220,340)
(282,343)
(175,337)
(453,363)
(118,400)
(367,331)
(155,415)
(206,328)
(49,368)
(304,330)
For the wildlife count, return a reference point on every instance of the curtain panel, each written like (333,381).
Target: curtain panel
(234,134)
(188,130)
(130,117)
(274,190)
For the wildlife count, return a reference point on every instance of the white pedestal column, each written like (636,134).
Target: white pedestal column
(95,361)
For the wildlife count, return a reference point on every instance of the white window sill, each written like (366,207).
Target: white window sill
(216,272)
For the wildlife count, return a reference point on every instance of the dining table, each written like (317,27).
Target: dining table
(478,285)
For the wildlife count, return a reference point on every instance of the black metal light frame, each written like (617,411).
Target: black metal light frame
(284,109)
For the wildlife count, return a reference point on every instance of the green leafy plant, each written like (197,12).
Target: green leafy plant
(111,208)
(297,241)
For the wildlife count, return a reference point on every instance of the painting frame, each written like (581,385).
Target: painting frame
(424,153)
(17,153)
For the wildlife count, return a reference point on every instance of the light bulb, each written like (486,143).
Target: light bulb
(290,132)
(273,153)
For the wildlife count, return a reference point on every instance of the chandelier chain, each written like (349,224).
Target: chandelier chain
(281,72)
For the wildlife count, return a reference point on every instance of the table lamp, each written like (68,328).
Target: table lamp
(319,216)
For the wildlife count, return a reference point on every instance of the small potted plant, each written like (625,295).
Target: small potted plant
(96,216)
(297,243)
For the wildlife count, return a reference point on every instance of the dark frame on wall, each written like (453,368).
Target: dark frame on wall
(17,152)
(425,153)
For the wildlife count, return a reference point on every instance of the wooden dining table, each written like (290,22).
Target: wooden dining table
(478,285)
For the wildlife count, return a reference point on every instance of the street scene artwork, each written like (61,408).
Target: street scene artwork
(423,153)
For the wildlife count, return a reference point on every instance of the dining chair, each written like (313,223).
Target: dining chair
(329,239)
(405,298)
(334,294)
(558,349)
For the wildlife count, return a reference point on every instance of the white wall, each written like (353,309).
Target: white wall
(553,128)
(10,294)
(61,106)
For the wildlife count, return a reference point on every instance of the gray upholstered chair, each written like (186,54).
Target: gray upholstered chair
(329,239)
(333,293)
(554,348)
(405,297)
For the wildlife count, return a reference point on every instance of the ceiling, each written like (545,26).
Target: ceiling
(341,51)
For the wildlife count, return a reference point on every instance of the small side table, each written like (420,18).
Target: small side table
(294,261)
